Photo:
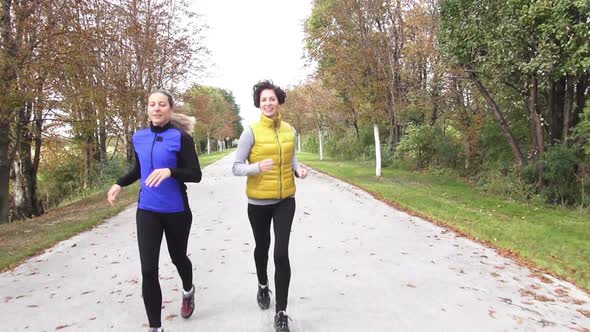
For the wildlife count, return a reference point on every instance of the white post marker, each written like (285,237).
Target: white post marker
(321,145)
(377,151)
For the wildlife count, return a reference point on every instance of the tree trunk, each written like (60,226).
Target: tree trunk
(298,142)
(567,108)
(377,150)
(37,139)
(556,103)
(7,77)
(518,156)
(435,100)
(581,88)
(4,168)
(88,158)
(537,128)
(102,137)
(129,150)
(25,201)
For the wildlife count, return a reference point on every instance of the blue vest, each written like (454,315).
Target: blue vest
(159,150)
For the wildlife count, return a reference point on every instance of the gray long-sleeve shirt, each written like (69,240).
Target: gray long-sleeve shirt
(242,168)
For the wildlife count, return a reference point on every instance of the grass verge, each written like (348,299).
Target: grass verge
(25,238)
(552,238)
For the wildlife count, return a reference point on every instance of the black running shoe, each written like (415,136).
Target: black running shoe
(263,297)
(281,322)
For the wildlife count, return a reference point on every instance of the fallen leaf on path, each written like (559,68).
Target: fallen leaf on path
(584,312)
(171,317)
(561,292)
(538,297)
(543,298)
(543,278)
(411,285)
(61,327)
(492,313)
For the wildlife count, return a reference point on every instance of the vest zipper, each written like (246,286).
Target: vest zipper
(152,151)
(280,165)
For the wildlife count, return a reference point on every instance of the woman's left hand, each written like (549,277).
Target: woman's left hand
(301,172)
(157,176)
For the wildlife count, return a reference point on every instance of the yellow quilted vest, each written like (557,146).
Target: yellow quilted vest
(273,139)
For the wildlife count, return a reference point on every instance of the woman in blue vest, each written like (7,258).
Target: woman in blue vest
(165,158)
(268,146)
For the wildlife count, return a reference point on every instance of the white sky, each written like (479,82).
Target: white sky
(251,40)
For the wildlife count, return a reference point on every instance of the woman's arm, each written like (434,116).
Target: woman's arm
(240,167)
(133,175)
(188,168)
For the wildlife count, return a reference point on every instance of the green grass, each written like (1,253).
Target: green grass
(552,238)
(25,238)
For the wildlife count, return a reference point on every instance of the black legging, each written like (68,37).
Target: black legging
(260,218)
(150,227)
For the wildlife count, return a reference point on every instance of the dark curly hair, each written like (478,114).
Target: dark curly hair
(266,84)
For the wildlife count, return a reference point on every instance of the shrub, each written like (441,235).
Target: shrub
(560,164)
(428,146)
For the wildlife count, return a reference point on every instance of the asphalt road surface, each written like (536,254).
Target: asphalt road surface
(357,265)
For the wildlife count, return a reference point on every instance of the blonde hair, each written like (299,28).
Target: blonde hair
(183,122)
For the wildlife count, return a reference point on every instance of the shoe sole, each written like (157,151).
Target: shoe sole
(188,316)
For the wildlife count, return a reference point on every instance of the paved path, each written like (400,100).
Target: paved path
(357,265)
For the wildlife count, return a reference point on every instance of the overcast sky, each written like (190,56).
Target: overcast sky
(253,40)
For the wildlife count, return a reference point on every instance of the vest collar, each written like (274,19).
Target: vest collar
(160,129)
(271,123)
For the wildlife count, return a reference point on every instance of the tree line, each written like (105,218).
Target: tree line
(74,75)
(480,86)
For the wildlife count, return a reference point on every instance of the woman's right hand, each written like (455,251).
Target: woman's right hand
(112,194)
(266,165)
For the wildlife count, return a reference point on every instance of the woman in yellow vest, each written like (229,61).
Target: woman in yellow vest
(268,146)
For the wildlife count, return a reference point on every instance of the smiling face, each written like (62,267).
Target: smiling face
(159,109)
(269,103)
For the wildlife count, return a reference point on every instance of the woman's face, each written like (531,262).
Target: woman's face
(269,103)
(159,110)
